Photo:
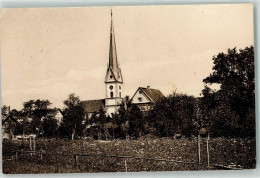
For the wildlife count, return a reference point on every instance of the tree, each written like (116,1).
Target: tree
(49,126)
(101,121)
(234,72)
(171,115)
(128,119)
(4,110)
(136,122)
(73,115)
(36,109)
(111,126)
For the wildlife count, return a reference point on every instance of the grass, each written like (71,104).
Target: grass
(59,155)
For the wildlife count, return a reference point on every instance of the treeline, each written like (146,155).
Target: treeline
(231,109)
(225,112)
(170,116)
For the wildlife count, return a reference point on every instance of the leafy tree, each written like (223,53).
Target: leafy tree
(129,119)
(49,126)
(4,110)
(233,105)
(136,122)
(171,115)
(101,120)
(111,126)
(73,116)
(36,109)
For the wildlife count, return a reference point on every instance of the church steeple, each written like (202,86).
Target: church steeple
(113,80)
(113,67)
(112,48)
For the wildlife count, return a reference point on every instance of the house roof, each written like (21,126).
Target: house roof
(9,117)
(20,117)
(153,94)
(91,106)
(53,112)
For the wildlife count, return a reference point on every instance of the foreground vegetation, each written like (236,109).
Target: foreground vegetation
(58,157)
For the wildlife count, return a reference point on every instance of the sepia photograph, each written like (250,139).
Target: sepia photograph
(127,88)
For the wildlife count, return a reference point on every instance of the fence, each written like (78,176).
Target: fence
(104,163)
(108,163)
(112,163)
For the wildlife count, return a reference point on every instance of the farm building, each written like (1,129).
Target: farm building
(145,98)
(12,125)
(56,114)
(8,126)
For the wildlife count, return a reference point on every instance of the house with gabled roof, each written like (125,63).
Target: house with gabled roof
(145,98)
(8,126)
(56,114)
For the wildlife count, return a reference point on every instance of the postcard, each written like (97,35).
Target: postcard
(127,89)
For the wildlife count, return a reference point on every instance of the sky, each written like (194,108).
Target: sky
(48,53)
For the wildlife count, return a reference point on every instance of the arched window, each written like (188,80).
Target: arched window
(111,94)
(119,94)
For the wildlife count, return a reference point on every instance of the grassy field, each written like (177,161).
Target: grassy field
(58,157)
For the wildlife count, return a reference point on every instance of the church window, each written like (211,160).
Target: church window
(119,94)
(140,91)
(111,94)
(119,87)
(111,87)
(140,99)
(111,76)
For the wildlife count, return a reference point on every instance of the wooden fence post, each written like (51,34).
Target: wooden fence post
(30,143)
(75,160)
(208,149)
(199,148)
(34,144)
(125,165)
(173,166)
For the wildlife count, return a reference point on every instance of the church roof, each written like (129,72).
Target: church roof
(112,48)
(153,94)
(113,62)
(92,106)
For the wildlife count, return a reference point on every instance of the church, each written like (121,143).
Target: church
(114,87)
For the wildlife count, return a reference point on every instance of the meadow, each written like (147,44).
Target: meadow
(58,156)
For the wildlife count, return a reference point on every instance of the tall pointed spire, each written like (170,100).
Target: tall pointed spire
(112,48)
(113,79)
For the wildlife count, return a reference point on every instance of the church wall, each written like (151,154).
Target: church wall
(116,91)
(110,102)
(110,110)
(113,102)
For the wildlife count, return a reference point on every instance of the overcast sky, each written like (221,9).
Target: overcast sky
(52,52)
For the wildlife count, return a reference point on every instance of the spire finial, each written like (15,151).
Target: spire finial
(111,13)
